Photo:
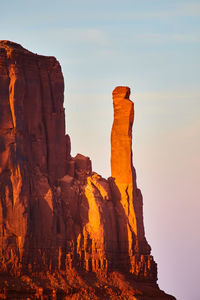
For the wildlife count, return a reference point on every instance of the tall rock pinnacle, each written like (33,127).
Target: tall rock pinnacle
(121,136)
(64,229)
(129,196)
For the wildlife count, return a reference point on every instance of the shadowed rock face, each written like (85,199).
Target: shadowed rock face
(63,226)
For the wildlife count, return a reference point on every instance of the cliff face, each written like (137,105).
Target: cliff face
(56,215)
(32,138)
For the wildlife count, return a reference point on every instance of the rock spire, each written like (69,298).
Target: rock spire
(122,170)
(65,230)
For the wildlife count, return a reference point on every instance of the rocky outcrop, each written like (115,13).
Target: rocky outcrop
(128,198)
(63,228)
(32,133)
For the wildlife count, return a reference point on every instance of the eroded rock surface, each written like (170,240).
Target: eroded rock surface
(63,228)
(127,197)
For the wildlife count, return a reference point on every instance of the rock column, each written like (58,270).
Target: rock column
(121,167)
(127,197)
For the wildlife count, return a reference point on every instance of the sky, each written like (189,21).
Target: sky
(153,47)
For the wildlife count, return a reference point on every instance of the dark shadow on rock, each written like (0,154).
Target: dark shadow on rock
(121,248)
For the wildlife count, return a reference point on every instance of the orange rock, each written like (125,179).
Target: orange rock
(121,136)
(32,148)
(63,228)
(128,199)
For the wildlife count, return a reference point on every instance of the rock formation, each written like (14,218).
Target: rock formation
(129,205)
(64,229)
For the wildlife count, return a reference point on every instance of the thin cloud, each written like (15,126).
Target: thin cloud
(191,9)
(167,37)
(87,35)
(184,9)
(181,10)
(164,95)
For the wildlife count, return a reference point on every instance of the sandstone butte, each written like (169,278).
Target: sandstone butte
(65,232)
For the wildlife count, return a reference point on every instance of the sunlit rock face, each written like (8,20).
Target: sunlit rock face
(32,151)
(127,197)
(63,228)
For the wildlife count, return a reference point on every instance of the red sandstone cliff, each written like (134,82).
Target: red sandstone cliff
(63,228)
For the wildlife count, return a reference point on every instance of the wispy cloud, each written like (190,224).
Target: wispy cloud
(191,9)
(168,37)
(166,95)
(183,9)
(86,35)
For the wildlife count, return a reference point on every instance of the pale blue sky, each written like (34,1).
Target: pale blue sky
(152,46)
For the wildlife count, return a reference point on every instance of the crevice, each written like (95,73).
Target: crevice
(51,92)
(43,117)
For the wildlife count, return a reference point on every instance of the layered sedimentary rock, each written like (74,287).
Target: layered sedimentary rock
(64,228)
